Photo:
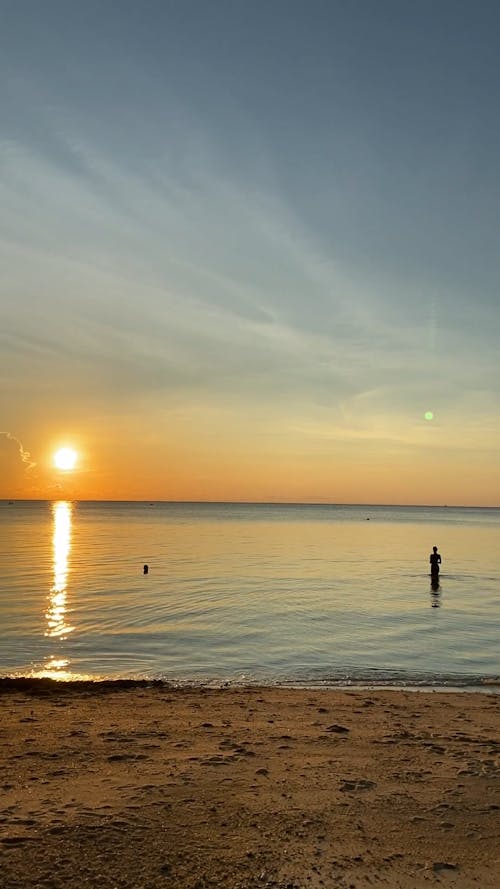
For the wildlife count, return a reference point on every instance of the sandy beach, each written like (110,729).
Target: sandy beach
(129,785)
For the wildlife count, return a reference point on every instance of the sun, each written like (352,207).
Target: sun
(65,458)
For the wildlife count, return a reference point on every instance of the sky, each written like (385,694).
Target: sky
(249,250)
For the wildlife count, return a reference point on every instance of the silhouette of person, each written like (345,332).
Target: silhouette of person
(146,569)
(435,560)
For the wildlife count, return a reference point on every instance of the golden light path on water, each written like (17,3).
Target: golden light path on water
(56,614)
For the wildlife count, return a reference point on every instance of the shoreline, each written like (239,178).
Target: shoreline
(46,684)
(136,783)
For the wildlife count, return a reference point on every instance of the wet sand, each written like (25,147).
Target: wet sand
(130,785)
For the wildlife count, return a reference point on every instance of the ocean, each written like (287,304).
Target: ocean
(301,595)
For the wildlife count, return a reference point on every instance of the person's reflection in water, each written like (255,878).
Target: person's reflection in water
(435,592)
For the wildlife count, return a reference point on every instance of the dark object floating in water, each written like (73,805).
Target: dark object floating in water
(146,569)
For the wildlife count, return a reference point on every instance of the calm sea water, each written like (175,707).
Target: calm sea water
(256,593)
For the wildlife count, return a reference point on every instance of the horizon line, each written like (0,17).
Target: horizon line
(13,500)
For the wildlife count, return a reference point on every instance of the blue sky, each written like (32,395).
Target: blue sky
(252,235)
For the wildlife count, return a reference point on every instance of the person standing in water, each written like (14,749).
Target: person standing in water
(435,560)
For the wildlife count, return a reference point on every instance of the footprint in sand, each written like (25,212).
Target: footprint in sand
(359,784)
(16,840)
(217,760)
(121,757)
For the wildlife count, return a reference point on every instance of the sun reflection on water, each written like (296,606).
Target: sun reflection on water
(56,614)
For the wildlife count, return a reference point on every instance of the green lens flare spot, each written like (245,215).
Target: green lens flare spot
(429,415)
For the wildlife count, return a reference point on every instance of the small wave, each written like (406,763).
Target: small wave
(369,679)
(363,679)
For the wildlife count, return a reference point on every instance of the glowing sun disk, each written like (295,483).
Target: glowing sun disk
(65,458)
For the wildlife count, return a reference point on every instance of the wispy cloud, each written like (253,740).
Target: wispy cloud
(18,471)
(23,453)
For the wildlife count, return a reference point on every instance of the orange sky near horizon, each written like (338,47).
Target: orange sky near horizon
(207,470)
